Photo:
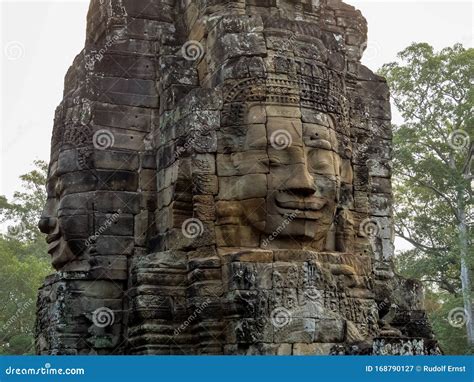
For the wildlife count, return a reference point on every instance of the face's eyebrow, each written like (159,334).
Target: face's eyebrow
(296,130)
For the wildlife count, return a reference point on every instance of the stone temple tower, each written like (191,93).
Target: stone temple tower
(220,183)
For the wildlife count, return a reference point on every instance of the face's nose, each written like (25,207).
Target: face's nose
(301,182)
(47,223)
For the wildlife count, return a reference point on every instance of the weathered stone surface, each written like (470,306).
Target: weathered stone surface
(220,183)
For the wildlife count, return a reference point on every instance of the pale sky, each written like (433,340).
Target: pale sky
(43,38)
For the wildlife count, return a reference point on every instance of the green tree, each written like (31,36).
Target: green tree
(444,312)
(23,262)
(432,167)
(23,212)
(21,276)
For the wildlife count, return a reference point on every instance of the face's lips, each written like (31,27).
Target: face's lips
(53,240)
(308,208)
(53,237)
(303,204)
(53,245)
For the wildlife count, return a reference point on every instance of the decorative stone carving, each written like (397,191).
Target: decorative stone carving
(220,184)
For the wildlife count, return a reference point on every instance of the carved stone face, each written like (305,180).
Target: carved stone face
(65,215)
(90,206)
(49,224)
(290,178)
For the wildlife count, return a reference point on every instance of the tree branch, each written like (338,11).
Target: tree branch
(418,245)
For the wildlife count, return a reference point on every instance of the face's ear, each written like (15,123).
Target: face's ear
(345,234)
(345,171)
(338,191)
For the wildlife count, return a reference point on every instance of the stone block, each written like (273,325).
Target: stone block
(242,187)
(243,163)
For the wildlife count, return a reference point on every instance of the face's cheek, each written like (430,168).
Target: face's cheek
(69,238)
(74,229)
(242,174)
(275,215)
(74,215)
(327,187)
(325,167)
(279,178)
(62,255)
(255,212)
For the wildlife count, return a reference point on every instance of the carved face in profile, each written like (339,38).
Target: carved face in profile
(92,198)
(288,176)
(65,218)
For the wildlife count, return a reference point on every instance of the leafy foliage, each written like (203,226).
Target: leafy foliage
(22,214)
(23,263)
(452,338)
(432,167)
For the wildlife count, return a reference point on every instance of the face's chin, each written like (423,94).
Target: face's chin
(59,251)
(304,225)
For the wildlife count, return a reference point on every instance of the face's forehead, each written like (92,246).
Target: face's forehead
(66,163)
(320,133)
(289,141)
(284,132)
(52,179)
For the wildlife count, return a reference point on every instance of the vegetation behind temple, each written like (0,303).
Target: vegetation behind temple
(433,93)
(24,262)
(432,179)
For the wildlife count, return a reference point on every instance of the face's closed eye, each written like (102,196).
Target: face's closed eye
(274,162)
(322,162)
(57,187)
(317,142)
